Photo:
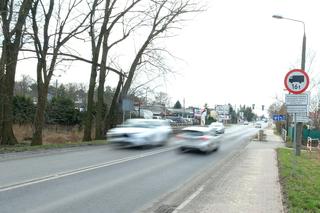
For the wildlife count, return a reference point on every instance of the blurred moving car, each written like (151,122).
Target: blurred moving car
(140,132)
(204,139)
(178,121)
(218,126)
(257,125)
(245,123)
(171,122)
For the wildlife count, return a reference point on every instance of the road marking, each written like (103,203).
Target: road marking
(80,170)
(189,199)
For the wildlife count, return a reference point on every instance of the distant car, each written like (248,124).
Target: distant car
(204,139)
(179,120)
(140,132)
(257,125)
(246,123)
(218,126)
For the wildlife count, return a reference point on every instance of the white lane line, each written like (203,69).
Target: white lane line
(80,170)
(189,199)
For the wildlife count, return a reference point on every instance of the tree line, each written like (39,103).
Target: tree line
(45,31)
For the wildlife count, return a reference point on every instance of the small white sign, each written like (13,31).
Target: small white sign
(302,119)
(297,109)
(303,114)
(301,99)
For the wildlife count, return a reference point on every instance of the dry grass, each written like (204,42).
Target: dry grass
(51,134)
(23,132)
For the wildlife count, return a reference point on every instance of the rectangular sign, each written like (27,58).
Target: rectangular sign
(301,99)
(127,105)
(297,109)
(303,114)
(279,117)
(302,119)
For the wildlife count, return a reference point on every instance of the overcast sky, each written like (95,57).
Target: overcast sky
(236,53)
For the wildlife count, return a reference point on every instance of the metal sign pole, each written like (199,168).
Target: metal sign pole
(295,132)
(294,145)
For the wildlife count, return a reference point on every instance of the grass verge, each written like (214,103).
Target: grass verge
(301,183)
(23,147)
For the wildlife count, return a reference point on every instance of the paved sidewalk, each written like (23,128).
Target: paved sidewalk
(248,183)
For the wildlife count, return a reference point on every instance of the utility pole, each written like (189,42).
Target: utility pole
(303,63)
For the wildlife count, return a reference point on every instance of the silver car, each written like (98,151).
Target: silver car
(204,139)
(218,126)
(140,132)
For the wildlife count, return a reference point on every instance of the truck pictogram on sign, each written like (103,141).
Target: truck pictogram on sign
(296,79)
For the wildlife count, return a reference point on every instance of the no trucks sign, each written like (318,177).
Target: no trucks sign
(296,81)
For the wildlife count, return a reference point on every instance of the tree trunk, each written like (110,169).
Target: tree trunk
(10,49)
(7,136)
(39,116)
(100,103)
(88,118)
(112,118)
(1,93)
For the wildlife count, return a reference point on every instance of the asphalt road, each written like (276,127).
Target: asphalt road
(104,179)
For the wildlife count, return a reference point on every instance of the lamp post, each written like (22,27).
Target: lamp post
(298,126)
(304,40)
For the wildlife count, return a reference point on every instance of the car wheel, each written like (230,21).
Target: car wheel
(181,150)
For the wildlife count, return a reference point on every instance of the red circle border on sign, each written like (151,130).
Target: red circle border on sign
(286,81)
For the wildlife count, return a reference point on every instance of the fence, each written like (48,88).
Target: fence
(312,133)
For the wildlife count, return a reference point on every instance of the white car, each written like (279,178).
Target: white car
(140,132)
(258,125)
(218,126)
(204,139)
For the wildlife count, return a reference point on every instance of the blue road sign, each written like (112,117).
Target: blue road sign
(279,117)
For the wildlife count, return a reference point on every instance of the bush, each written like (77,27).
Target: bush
(61,110)
(23,110)
(210,120)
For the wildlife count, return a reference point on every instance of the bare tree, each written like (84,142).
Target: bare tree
(23,87)
(13,18)
(164,16)
(66,23)
(162,98)
(160,18)
(102,44)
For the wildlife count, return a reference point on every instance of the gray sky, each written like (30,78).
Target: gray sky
(236,53)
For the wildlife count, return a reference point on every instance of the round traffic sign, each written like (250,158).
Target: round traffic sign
(296,81)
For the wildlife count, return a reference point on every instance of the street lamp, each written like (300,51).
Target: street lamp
(304,40)
(298,126)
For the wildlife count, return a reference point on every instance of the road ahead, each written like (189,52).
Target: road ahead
(103,179)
